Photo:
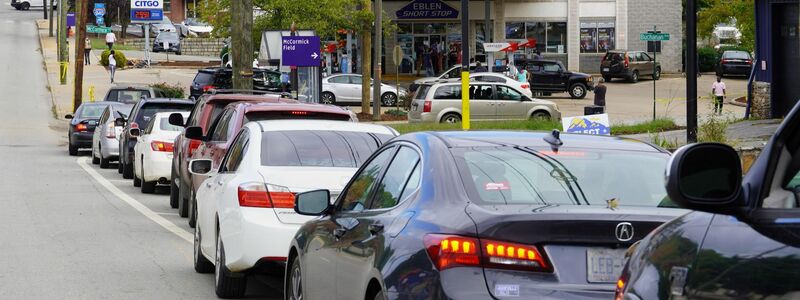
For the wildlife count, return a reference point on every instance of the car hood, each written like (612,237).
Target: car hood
(579,74)
(426,80)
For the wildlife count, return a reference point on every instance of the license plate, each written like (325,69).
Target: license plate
(606,69)
(604,265)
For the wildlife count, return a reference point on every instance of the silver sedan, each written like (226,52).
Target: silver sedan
(346,88)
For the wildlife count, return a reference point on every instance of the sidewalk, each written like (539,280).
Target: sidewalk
(97,76)
(743,135)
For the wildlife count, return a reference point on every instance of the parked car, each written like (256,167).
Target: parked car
(629,65)
(245,209)
(140,116)
(153,151)
(105,145)
(743,241)
(441,102)
(167,42)
(131,93)
(550,76)
(27,4)
(216,78)
(523,87)
(165,25)
(82,125)
(481,215)
(452,73)
(216,141)
(346,88)
(197,27)
(735,63)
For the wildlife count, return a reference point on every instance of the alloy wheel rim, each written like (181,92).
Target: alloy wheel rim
(389,99)
(297,290)
(450,119)
(578,91)
(326,99)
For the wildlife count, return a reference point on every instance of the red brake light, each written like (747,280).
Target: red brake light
(426,106)
(80,127)
(448,251)
(207,88)
(525,86)
(512,255)
(299,113)
(256,194)
(193,145)
(161,146)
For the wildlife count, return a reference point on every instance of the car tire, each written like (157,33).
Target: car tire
(26,6)
(389,99)
(657,74)
(127,171)
(328,98)
(136,181)
(607,78)
(378,295)
(183,201)
(174,191)
(634,77)
(148,187)
(294,285)
(577,91)
(201,263)
(451,118)
(95,160)
(227,284)
(540,115)
(119,166)
(192,210)
(73,150)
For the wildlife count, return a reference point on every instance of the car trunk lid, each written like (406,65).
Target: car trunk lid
(296,179)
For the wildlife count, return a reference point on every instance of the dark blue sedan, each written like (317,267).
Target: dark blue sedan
(82,125)
(481,215)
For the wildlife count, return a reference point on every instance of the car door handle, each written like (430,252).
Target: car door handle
(375,228)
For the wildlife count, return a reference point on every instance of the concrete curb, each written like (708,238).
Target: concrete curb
(46,71)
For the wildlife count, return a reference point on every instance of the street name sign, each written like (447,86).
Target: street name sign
(97,29)
(654,36)
(300,51)
(147,10)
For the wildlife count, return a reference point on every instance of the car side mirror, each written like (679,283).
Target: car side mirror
(119,122)
(313,203)
(706,177)
(194,133)
(134,132)
(200,166)
(176,119)
(69,117)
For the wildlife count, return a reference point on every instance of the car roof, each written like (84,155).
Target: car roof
(130,87)
(464,139)
(165,100)
(284,125)
(288,105)
(242,97)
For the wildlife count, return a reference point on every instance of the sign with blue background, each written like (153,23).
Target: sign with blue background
(300,51)
(594,124)
(147,10)
(99,11)
(427,9)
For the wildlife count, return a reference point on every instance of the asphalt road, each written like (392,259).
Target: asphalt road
(69,229)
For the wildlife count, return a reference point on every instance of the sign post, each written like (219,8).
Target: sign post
(397,58)
(146,12)
(656,37)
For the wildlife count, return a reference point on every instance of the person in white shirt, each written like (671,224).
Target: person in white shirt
(112,65)
(718,89)
(110,39)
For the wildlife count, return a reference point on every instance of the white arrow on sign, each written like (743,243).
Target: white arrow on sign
(314,55)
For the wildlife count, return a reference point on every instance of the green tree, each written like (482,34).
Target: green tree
(725,11)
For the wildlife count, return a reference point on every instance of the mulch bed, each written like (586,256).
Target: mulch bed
(364,117)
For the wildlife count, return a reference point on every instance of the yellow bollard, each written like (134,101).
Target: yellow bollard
(91,93)
(465,99)
(63,75)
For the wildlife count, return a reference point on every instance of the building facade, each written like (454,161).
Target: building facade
(576,32)
(777,58)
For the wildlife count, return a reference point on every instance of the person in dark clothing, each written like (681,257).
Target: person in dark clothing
(480,68)
(600,94)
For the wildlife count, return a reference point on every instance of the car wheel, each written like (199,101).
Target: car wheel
(657,74)
(174,190)
(379,295)
(294,288)
(227,284)
(95,160)
(389,99)
(183,200)
(73,150)
(26,6)
(127,171)
(451,118)
(192,210)
(201,263)
(577,91)
(104,162)
(607,78)
(328,98)
(634,77)
(137,182)
(540,115)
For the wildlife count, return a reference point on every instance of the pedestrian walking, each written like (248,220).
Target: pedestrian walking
(112,65)
(718,89)
(427,62)
(522,75)
(111,38)
(87,51)
(512,70)
(600,93)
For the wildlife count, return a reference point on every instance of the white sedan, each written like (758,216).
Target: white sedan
(153,152)
(245,210)
(346,88)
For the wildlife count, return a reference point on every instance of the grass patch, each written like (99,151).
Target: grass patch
(100,44)
(657,125)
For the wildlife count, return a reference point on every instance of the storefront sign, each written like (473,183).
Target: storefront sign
(495,47)
(427,9)
(594,124)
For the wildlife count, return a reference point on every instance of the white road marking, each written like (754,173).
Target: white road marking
(153,216)
(167,214)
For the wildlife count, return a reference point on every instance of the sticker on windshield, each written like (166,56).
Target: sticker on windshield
(506,290)
(497,186)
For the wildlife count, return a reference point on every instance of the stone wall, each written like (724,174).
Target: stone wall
(189,46)
(760,108)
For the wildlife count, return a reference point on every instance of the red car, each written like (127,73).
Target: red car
(214,142)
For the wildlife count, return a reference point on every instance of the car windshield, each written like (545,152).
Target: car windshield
(127,96)
(614,56)
(507,176)
(422,91)
(164,125)
(736,55)
(168,35)
(147,111)
(203,78)
(90,111)
(318,148)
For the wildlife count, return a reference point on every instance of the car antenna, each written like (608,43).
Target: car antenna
(554,139)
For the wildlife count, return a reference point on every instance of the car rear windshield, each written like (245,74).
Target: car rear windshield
(203,78)
(318,148)
(422,91)
(90,111)
(294,115)
(509,176)
(736,55)
(127,96)
(147,111)
(614,56)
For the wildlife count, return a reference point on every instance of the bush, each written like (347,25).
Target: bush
(118,56)
(708,58)
(713,130)
(405,100)
(396,113)
(170,91)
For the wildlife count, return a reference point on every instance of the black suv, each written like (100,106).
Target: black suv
(139,118)
(629,65)
(550,76)
(220,78)
(131,93)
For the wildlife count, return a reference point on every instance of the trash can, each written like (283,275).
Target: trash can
(593,110)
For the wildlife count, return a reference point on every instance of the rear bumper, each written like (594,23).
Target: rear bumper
(422,117)
(109,148)
(81,139)
(252,234)
(735,69)
(623,73)
(157,165)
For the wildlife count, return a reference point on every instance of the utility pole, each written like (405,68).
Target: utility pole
(63,51)
(242,43)
(44,8)
(691,71)
(465,64)
(50,33)
(376,87)
(80,35)
(366,60)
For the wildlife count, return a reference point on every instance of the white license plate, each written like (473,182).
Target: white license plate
(606,69)
(604,265)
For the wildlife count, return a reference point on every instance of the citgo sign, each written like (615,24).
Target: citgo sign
(147,10)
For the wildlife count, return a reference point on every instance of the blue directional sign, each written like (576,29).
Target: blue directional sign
(99,9)
(300,51)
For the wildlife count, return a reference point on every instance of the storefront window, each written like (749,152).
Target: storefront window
(606,37)
(536,30)
(403,28)
(588,37)
(557,37)
(515,30)
(551,37)
(480,38)
(167,6)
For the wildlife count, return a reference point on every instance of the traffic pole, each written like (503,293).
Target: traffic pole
(465,64)
(691,71)
(376,86)
(654,70)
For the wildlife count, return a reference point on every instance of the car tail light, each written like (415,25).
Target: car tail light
(749,61)
(207,88)
(449,251)
(257,194)
(161,146)
(193,145)
(525,86)
(134,125)
(298,113)
(80,127)
(619,292)
(426,106)
(111,131)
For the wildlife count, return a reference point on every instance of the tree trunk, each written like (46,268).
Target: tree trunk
(242,43)
(366,62)
(80,35)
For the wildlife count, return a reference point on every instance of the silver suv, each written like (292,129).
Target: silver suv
(441,102)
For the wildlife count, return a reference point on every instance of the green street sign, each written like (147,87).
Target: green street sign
(97,29)
(654,36)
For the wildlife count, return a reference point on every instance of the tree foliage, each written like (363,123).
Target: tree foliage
(742,12)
